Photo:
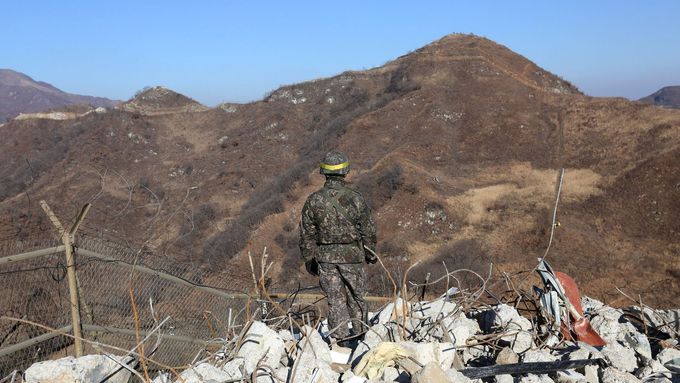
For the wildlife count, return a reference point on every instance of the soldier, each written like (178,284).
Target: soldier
(336,225)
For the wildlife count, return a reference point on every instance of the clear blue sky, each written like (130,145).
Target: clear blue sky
(236,51)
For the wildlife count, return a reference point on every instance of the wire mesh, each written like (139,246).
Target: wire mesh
(110,278)
(33,290)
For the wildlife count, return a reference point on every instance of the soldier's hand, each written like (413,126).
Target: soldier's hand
(312,267)
(370,258)
(370,255)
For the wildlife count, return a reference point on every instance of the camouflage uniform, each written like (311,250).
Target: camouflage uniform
(334,239)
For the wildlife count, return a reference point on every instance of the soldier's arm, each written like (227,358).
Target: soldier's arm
(308,230)
(366,225)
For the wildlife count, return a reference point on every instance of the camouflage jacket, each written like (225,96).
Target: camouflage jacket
(332,236)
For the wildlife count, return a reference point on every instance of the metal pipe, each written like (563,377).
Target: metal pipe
(33,341)
(124,331)
(32,254)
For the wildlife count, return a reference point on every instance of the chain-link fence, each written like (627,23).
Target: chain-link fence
(110,277)
(125,294)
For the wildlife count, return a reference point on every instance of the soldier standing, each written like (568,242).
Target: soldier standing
(336,225)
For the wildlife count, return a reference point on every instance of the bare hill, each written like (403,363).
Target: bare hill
(668,97)
(21,94)
(457,147)
(159,100)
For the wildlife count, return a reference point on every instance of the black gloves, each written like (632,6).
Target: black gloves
(370,255)
(312,267)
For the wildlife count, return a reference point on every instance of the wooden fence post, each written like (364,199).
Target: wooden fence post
(67,239)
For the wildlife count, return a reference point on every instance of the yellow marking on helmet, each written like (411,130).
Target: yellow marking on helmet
(334,167)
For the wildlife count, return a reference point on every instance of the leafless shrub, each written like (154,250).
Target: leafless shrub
(381,187)
(195,223)
(400,83)
(464,254)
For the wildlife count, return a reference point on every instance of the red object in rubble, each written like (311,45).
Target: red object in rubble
(579,324)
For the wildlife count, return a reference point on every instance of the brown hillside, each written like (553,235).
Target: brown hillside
(457,147)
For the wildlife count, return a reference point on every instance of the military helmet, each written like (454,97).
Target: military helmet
(334,163)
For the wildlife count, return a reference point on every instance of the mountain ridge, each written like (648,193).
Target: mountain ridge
(19,93)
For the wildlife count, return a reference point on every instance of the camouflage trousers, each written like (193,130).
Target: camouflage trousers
(344,286)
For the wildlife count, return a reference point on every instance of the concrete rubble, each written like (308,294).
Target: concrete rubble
(89,368)
(435,341)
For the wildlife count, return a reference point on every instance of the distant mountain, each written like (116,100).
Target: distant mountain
(668,97)
(21,94)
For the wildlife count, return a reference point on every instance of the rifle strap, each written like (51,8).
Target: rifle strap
(339,208)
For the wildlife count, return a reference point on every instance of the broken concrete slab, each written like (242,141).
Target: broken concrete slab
(542,355)
(578,353)
(434,310)
(667,354)
(308,369)
(312,342)
(162,377)
(570,376)
(430,373)
(441,353)
(620,357)
(313,359)
(460,328)
(592,374)
(203,373)
(348,376)
(355,379)
(340,355)
(279,375)
(392,311)
(506,319)
(457,377)
(531,378)
(261,344)
(652,368)
(520,342)
(613,375)
(390,374)
(88,368)
(589,304)
(610,324)
(640,344)
(667,321)
(507,356)
(475,352)
(234,368)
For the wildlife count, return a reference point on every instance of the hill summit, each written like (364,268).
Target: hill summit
(158,100)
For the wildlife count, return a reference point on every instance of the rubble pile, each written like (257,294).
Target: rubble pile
(436,341)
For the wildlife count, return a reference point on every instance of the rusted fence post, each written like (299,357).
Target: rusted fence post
(67,239)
